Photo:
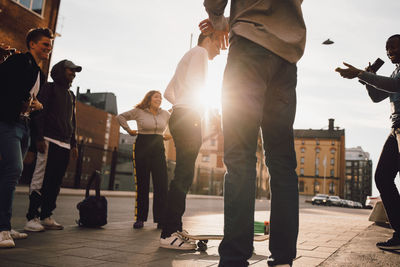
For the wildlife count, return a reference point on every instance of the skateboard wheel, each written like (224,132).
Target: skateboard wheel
(202,245)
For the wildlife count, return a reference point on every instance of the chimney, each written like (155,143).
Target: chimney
(331,124)
(87,91)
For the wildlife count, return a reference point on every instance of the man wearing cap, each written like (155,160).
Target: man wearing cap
(53,131)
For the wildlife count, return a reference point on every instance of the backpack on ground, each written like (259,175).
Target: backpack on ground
(93,209)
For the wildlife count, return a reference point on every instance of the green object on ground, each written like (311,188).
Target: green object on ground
(261,227)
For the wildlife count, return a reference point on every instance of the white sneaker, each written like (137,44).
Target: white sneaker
(175,241)
(34,225)
(50,224)
(17,235)
(6,240)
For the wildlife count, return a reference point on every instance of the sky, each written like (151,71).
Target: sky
(131,47)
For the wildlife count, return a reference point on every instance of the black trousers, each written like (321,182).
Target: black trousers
(56,163)
(386,171)
(149,158)
(185,127)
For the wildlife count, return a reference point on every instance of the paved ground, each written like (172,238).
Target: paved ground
(328,237)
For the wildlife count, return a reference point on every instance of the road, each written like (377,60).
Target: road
(121,209)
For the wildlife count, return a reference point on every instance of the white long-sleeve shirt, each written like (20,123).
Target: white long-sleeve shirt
(189,79)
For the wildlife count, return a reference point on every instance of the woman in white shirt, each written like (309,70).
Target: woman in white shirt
(148,155)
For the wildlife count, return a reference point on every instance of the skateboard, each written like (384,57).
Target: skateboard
(203,239)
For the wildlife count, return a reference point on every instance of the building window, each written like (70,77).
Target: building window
(301,186)
(332,173)
(206,158)
(332,161)
(34,5)
(316,172)
(302,160)
(302,142)
(302,150)
(317,150)
(317,142)
(331,188)
(316,187)
(213,142)
(333,143)
(301,171)
(333,151)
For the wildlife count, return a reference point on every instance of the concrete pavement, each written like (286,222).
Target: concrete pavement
(328,237)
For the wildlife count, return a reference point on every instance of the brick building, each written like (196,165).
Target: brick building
(17,17)
(358,182)
(98,131)
(321,160)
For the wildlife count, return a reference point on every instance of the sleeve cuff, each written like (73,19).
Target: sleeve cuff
(219,22)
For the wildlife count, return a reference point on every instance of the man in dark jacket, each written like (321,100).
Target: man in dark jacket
(54,129)
(20,79)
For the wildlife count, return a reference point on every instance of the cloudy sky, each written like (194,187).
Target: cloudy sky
(130,47)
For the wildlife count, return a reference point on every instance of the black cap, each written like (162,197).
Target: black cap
(71,65)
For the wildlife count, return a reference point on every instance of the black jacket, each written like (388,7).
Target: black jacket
(18,74)
(57,119)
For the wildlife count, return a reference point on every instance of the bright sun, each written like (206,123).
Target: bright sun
(211,95)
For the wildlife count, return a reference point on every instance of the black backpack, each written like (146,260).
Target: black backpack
(93,209)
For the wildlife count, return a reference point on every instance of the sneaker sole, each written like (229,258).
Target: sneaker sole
(176,247)
(53,227)
(9,244)
(389,248)
(33,230)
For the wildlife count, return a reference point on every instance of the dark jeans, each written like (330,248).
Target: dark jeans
(185,127)
(56,165)
(385,173)
(14,142)
(258,91)
(150,158)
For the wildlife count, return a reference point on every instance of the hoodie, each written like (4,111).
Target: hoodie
(57,119)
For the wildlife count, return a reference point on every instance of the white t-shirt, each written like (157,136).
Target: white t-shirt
(186,85)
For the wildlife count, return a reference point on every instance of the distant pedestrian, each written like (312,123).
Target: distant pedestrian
(267,38)
(185,126)
(20,80)
(380,88)
(54,130)
(149,156)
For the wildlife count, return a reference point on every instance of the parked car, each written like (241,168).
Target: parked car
(319,199)
(358,205)
(343,202)
(350,204)
(371,201)
(334,201)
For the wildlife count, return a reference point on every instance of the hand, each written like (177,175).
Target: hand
(207,28)
(35,104)
(167,137)
(349,73)
(132,132)
(369,69)
(74,153)
(41,146)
